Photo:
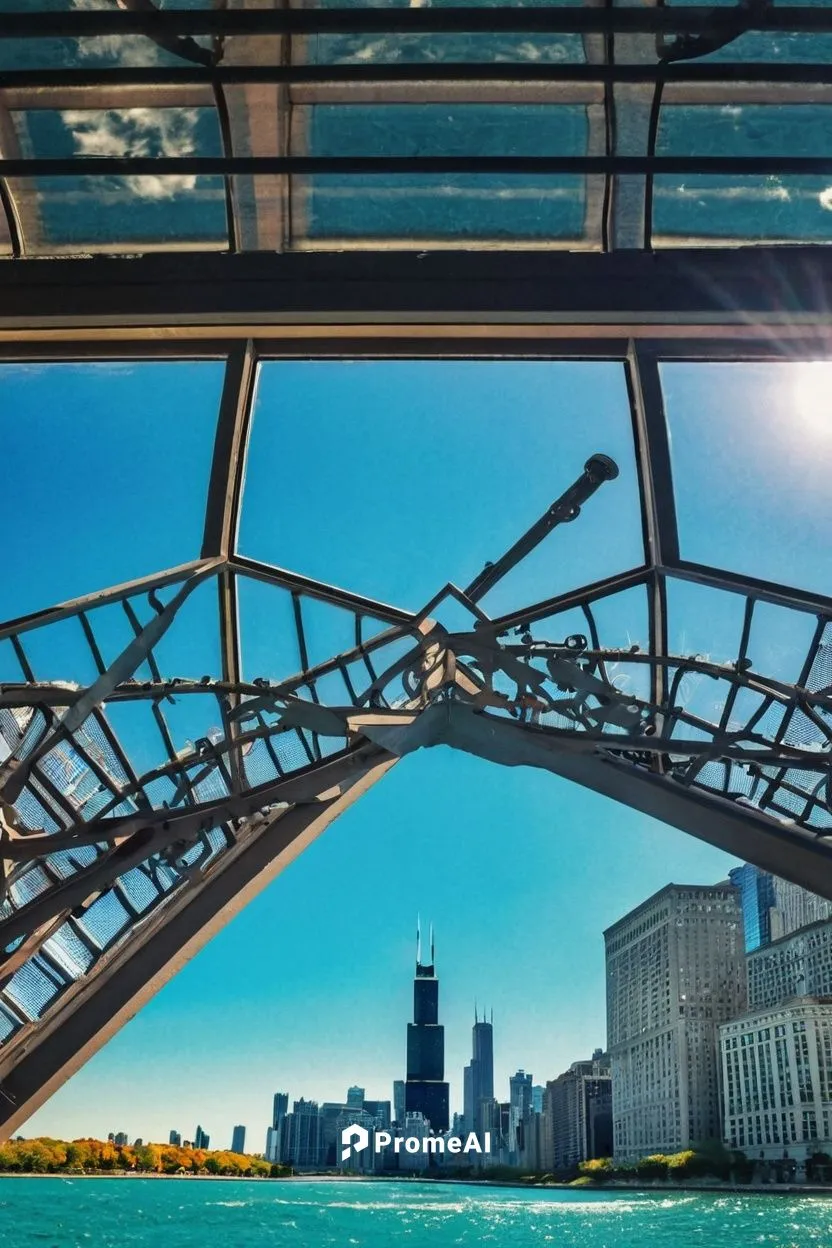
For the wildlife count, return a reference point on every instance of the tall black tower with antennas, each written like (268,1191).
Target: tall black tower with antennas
(425,1090)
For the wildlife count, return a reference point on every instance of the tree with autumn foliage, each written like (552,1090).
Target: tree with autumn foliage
(47,1156)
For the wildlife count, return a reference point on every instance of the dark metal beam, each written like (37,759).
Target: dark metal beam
(309,166)
(101,598)
(35,1064)
(703,287)
(739,583)
(658,504)
(693,19)
(810,74)
(306,586)
(225,485)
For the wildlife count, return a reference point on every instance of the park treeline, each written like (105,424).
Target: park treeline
(46,1156)
(692,1163)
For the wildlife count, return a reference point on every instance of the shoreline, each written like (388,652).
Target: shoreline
(716,1188)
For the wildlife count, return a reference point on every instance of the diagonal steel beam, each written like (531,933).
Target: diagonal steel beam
(35,1064)
(307,586)
(103,597)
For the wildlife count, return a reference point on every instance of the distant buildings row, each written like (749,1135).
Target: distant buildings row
(202,1140)
(719,1027)
(537,1127)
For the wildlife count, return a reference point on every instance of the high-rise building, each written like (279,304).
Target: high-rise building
(366,1159)
(777,1080)
(468,1096)
(797,908)
(272,1144)
(757,898)
(300,1143)
(280,1108)
(238,1140)
(120,1140)
(398,1101)
(482,1067)
(773,908)
(416,1126)
(330,1113)
(520,1100)
(799,965)
(675,971)
(175,1139)
(578,1114)
(538,1092)
(425,1090)
(355,1098)
(379,1111)
(201,1140)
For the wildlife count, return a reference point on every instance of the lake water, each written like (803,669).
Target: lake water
(183,1213)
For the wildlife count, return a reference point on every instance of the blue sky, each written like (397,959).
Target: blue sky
(390,478)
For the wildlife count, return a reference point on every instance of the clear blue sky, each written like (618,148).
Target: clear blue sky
(391,478)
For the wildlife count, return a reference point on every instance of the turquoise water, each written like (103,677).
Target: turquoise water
(187,1213)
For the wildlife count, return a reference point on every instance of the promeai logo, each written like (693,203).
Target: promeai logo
(361,1137)
(411,1143)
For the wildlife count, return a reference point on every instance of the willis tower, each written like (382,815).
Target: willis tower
(425,1091)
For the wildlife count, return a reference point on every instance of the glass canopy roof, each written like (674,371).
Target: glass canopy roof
(128,127)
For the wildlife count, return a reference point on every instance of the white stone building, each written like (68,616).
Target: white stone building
(777,1080)
(675,971)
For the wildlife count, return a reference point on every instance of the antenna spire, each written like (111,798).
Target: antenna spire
(418,940)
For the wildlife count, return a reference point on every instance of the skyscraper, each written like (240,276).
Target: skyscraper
(201,1140)
(675,971)
(398,1101)
(478,1085)
(175,1139)
(280,1108)
(355,1098)
(773,908)
(301,1135)
(520,1102)
(238,1140)
(379,1111)
(578,1117)
(425,1090)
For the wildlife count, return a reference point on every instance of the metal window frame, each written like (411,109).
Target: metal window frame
(619,188)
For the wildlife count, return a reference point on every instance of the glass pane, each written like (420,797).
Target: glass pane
(750,447)
(458,206)
(103,212)
(95,52)
(766,206)
(395,477)
(111,466)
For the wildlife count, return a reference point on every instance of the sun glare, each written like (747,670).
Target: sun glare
(810,398)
